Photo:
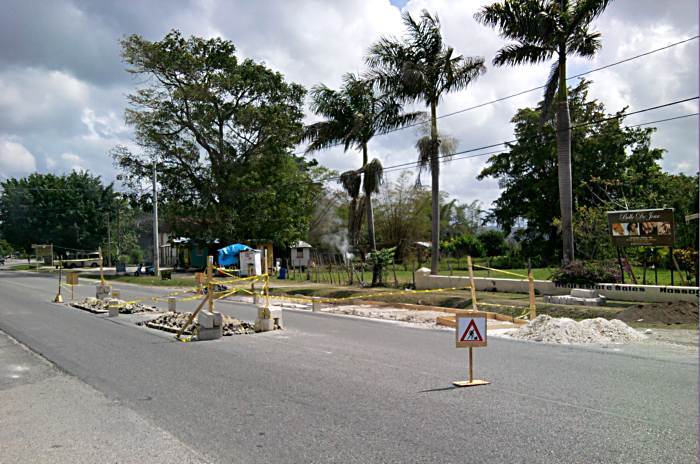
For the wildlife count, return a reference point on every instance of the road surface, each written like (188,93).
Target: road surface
(342,389)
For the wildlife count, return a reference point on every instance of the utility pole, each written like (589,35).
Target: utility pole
(109,243)
(156,248)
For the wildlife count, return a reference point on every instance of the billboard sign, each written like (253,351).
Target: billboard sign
(642,227)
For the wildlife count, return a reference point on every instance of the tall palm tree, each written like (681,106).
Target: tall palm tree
(421,68)
(542,30)
(353,115)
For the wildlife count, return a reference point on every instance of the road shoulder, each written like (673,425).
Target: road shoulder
(51,417)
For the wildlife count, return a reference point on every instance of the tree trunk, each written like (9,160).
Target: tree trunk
(435,191)
(376,269)
(564,164)
(370,211)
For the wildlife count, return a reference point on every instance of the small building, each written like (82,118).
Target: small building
(301,254)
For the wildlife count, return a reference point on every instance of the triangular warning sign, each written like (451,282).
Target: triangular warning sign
(472,334)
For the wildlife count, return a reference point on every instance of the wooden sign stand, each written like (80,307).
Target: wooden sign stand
(471,382)
(471,328)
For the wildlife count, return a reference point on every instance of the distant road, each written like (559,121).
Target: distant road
(347,390)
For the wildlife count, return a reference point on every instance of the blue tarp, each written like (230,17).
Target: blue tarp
(228,255)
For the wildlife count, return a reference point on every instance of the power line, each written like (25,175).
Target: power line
(446,159)
(609,118)
(523,92)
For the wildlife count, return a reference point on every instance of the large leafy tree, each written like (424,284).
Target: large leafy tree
(221,131)
(615,166)
(421,68)
(353,116)
(542,30)
(69,211)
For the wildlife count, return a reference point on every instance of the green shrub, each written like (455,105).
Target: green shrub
(587,273)
(464,245)
(510,261)
(494,242)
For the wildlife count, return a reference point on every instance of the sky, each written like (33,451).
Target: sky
(63,85)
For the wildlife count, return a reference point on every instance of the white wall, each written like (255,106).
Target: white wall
(625,292)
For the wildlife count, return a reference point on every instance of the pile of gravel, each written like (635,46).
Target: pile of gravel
(567,331)
(100,306)
(173,322)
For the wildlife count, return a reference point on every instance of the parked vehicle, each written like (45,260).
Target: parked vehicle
(83,260)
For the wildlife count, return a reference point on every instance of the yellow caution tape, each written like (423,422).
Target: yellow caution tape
(361,297)
(501,270)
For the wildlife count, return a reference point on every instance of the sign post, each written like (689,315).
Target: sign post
(642,227)
(470,333)
(72,280)
(59,297)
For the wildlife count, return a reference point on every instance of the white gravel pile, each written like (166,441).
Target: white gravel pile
(400,315)
(567,331)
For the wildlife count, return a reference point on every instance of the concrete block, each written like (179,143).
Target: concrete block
(583,293)
(210,325)
(209,320)
(315,304)
(112,309)
(210,334)
(172,304)
(102,291)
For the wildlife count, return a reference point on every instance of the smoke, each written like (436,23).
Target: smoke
(339,241)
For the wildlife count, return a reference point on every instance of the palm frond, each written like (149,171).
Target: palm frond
(549,91)
(526,21)
(584,44)
(520,53)
(460,71)
(322,135)
(351,182)
(373,177)
(585,11)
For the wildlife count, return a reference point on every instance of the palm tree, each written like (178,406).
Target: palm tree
(544,29)
(421,68)
(354,114)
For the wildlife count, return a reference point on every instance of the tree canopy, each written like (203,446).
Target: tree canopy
(605,154)
(69,211)
(221,131)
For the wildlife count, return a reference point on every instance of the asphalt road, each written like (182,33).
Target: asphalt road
(340,389)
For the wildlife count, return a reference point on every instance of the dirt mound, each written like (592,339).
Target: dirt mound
(548,329)
(173,322)
(678,312)
(100,306)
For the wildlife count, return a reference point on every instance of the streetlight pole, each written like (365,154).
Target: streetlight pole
(109,242)
(156,248)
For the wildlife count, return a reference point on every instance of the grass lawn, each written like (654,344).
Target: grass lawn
(147,280)
(405,277)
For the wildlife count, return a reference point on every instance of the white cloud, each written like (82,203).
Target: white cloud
(15,159)
(63,94)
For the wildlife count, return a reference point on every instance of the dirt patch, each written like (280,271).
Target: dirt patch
(173,322)
(568,331)
(679,312)
(100,306)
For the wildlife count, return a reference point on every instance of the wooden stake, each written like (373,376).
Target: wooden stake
(471,365)
(680,274)
(210,284)
(102,275)
(471,282)
(191,318)
(531,288)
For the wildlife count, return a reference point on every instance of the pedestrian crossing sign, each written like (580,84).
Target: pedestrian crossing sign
(471,329)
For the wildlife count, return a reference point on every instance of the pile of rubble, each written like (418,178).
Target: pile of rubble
(100,306)
(173,322)
(567,331)
(392,314)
